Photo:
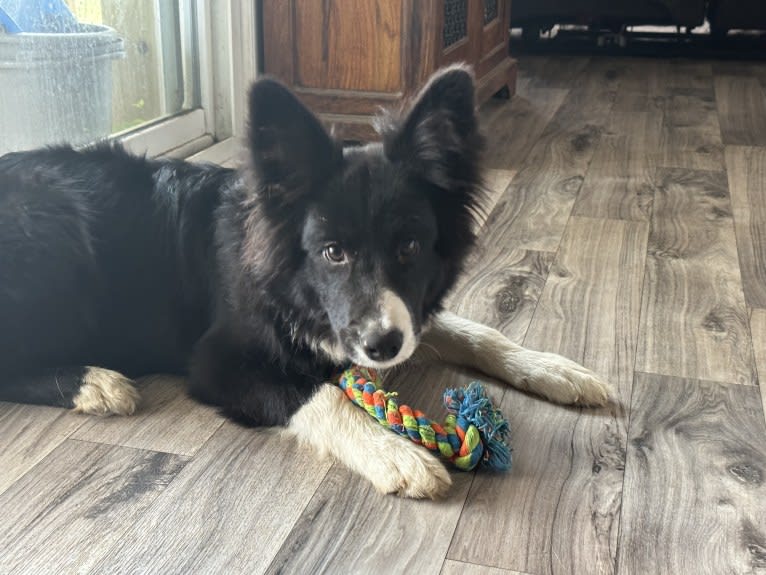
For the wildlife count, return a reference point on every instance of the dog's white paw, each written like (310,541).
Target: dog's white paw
(407,470)
(106,392)
(562,380)
(333,426)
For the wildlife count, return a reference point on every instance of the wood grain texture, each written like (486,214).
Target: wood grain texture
(495,184)
(67,513)
(759,71)
(278,32)
(695,480)
(366,532)
(741,110)
(422,54)
(691,147)
(167,420)
(326,31)
(694,319)
(687,81)
(345,58)
(748,68)
(691,135)
(501,288)
(620,179)
(558,509)
(28,433)
(458,568)
(758,332)
(641,85)
(746,170)
(539,201)
(228,512)
(352,507)
(512,127)
(590,305)
(559,71)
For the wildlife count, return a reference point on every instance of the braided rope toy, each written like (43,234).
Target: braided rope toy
(473,432)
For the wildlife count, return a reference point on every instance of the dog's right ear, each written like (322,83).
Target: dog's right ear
(289,148)
(437,137)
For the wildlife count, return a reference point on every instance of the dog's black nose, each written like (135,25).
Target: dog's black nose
(382,345)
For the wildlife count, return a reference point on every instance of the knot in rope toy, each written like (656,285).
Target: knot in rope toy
(473,432)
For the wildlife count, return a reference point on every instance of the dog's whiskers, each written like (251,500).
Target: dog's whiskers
(432,348)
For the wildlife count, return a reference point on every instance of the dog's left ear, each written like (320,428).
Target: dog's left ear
(289,147)
(438,138)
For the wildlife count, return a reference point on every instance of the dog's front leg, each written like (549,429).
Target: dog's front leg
(332,425)
(254,392)
(466,343)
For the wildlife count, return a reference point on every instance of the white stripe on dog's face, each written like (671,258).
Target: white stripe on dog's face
(393,315)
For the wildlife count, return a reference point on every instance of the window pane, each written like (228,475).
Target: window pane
(78,70)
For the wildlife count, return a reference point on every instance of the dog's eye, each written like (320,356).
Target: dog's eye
(408,250)
(334,253)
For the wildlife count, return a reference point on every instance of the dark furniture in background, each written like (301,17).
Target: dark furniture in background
(727,15)
(535,15)
(347,58)
(723,15)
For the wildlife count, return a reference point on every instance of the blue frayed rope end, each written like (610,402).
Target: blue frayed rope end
(472,405)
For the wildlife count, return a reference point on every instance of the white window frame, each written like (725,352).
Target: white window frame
(228,61)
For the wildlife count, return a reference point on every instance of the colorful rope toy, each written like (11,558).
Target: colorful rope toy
(473,432)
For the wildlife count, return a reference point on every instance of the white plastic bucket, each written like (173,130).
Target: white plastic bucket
(56,88)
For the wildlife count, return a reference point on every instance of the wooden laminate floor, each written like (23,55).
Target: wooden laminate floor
(627,232)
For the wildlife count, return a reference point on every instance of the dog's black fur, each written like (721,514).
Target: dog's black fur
(142,266)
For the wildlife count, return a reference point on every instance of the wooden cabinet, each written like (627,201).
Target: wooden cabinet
(347,58)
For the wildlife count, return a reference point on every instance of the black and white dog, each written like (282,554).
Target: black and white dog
(261,283)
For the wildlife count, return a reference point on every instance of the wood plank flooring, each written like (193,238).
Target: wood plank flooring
(567,503)
(694,480)
(29,433)
(691,135)
(77,502)
(758,332)
(746,168)
(626,229)
(169,421)
(620,181)
(536,207)
(692,265)
(228,511)
(741,110)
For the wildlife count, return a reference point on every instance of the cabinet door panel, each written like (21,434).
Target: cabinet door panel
(493,43)
(348,45)
(457,21)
